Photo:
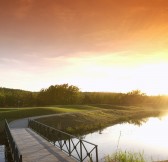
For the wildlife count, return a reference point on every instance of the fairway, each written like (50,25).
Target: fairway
(79,119)
(17,113)
(83,122)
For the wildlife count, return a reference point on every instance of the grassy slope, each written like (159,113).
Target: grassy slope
(16,113)
(80,123)
(81,119)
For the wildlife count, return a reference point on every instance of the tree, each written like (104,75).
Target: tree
(136,93)
(135,97)
(59,94)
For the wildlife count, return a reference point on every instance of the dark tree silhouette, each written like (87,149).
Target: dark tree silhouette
(59,94)
(69,94)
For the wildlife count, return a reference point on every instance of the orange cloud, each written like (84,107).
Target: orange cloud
(86,25)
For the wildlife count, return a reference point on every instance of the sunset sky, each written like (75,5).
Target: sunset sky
(97,45)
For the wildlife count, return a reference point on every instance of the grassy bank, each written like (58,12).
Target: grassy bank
(83,119)
(80,123)
(17,113)
(80,119)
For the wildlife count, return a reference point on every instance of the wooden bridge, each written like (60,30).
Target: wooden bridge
(41,143)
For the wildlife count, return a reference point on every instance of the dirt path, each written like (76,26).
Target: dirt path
(23,123)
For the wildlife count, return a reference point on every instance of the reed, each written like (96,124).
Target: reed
(125,156)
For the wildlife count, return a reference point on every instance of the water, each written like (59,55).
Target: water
(151,138)
(2,153)
(5,155)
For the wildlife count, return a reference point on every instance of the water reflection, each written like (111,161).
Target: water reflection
(2,153)
(5,155)
(138,122)
(149,136)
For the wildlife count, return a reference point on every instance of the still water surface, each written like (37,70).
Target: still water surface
(5,155)
(2,153)
(151,137)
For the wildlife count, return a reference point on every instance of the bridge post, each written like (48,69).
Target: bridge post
(81,159)
(69,146)
(96,154)
(20,160)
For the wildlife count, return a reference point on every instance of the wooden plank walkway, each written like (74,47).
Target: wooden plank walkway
(36,149)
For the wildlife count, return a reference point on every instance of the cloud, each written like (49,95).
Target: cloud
(65,27)
(47,38)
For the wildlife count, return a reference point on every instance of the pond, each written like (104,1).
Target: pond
(2,153)
(5,155)
(149,137)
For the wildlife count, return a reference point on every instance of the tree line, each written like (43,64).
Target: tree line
(16,98)
(69,94)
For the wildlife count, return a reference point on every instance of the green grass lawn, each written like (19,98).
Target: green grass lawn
(16,113)
(83,122)
(79,119)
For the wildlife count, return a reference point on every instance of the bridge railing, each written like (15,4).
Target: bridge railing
(16,155)
(79,149)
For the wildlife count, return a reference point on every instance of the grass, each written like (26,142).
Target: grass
(79,119)
(83,119)
(125,156)
(16,113)
(83,122)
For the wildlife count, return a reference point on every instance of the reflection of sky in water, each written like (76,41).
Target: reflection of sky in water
(151,137)
(2,156)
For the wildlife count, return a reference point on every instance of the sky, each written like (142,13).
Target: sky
(97,45)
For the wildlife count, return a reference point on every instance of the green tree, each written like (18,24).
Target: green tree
(59,94)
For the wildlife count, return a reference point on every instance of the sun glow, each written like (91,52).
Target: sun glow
(152,134)
(97,74)
(104,72)
(152,78)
